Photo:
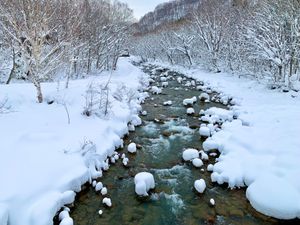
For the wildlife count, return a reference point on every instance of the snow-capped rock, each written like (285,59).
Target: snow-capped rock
(107,202)
(163,79)
(143,183)
(168,103)
(204,96)
(156,90)
(189,101)
(200,185)
(190,154)
(99,186)
(204,131)
(104,191)
(210,144)
(131,127)
(197,162)
(190,111)
(125,161)
(204,156)
(179,80)
(131,148)
(164,84)
(210,168)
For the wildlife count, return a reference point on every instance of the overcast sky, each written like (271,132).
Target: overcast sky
(141,7)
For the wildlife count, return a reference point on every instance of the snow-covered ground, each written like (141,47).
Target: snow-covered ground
(260,150)
(43,159)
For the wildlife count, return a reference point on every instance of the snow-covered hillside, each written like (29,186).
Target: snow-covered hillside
(44,158)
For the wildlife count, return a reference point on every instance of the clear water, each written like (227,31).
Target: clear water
(173,201)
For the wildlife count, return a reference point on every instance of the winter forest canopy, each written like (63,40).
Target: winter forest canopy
(253,38)
(40,39)
(256,38)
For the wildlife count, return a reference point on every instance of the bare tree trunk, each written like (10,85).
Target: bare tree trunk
(89,62)
(38,87)
(12,71)
(279,73)
(189,58)
(69,74)
(114,66)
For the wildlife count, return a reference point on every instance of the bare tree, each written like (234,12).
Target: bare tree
(211,22)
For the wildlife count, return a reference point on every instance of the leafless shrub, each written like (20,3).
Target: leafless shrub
(124,94)
(97,100)
(4,106)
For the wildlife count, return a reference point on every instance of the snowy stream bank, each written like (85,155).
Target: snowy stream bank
(44,160)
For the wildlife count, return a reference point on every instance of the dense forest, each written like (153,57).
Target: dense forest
(249,38)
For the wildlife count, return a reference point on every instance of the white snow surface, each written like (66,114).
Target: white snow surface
(143,181)
(262,148)
(41,156)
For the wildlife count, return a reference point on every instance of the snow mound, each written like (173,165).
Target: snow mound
(190,111)
(143,183)
(190,154)
(197,162)
(163,79)
(107,202)
(132,148)
(164,84)
(219,115)
(267,198)
(67,221)
(168,103)
(204,131)
(104,191)
(125,161)
(189,101)
(179,80)
(98,186)
(210,144)
(200,185)
(210,168)
(204,97)
(156,90)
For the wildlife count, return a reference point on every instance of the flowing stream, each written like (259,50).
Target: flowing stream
(165,132)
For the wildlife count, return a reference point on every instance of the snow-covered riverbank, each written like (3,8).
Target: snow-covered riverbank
(43,159)
(260,150)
